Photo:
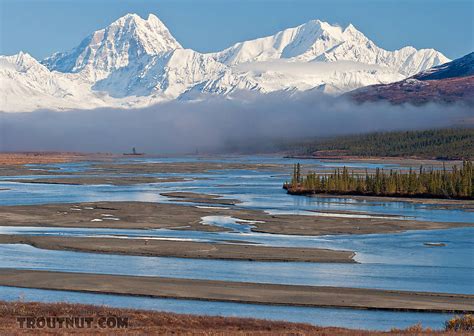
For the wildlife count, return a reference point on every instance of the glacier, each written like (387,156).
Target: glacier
(136,62)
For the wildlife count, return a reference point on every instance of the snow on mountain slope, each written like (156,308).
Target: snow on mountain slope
(461,67)
(128,38)
(165,76)
(447,83)
(407,61)
(27,85)
(136,62)
(314,36)
(283,75)
(320,41)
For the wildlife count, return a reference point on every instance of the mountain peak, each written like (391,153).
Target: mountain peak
(24,56)
(136,16)
(352,33)
(129,16)
(301,42)
(350,27)
(21,61)
(126,39)
(323,28)
(135,61)
(152,17)
(316,22)
(152,22)
(461,67)
(128,20)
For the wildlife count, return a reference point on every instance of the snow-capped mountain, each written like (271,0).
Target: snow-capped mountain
(447,83)
(137,62)
(126,40)
(166,75)
(320,41)
(27,85)
(461,67)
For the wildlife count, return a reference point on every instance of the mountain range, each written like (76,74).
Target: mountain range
(446,83)
(136,62)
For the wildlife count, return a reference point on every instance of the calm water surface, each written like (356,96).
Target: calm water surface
(349,318)
(389,261)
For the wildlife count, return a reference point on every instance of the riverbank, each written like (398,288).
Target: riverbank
(203,218)
(181,249)
(300,191)
(103,165)
(141,322)
(22,158)
(147,215)
(116,181)
(243,292)
(434,203)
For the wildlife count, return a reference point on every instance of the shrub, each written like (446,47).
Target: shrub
(460,323)
(416,328)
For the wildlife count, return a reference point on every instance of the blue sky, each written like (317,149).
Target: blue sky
(42,27)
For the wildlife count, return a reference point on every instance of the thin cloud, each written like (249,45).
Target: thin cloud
(215,125)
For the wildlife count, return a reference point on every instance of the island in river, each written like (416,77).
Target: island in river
(453,183)
(183,209)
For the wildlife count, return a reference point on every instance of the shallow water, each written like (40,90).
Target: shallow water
(405,248)
(349,318)
(237,225)
(256,189)
(387,261)
(450,279)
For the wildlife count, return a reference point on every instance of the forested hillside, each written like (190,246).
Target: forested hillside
(452,143)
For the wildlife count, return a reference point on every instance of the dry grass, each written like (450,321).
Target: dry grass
(158,323)
(460,323)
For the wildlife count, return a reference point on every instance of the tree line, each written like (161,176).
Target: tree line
(447,143)
(456,182)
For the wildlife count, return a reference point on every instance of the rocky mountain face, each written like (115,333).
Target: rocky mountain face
(136,62)
(447,83)
(461,67)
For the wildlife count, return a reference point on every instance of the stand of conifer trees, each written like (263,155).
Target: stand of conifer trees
(442,183)
(447,143)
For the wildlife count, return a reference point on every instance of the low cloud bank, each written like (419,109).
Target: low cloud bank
(214,125)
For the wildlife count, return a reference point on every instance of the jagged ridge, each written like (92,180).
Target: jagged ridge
(137,62)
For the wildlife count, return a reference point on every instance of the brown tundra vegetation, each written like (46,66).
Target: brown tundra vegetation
(141,322)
